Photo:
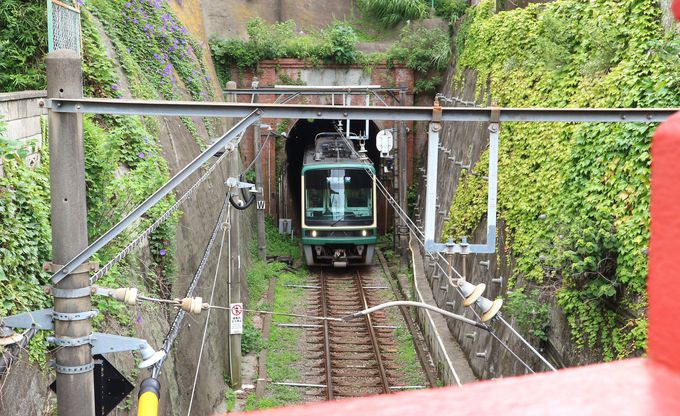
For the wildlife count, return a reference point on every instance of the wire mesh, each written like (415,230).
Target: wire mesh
(63,25)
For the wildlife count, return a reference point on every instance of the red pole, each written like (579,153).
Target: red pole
(675,7)
(664,268)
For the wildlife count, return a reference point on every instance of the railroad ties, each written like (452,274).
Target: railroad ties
(353,358)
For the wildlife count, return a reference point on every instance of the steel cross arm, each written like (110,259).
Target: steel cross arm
(294,111)
(164,190)
(309,90)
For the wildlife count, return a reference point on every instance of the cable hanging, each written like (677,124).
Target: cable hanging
(414,229)
(225,228)
(177,322)
(154,226)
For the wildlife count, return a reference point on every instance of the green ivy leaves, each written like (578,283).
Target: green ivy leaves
(574,197)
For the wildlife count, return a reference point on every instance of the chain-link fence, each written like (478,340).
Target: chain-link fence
(63,25)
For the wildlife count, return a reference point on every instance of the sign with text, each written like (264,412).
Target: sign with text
(236,322)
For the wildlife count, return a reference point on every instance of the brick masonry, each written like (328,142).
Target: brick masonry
(284,71)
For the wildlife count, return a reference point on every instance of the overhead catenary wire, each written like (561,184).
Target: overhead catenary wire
(414,229)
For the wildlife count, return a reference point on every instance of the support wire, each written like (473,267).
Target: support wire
(179,318)
(225,228)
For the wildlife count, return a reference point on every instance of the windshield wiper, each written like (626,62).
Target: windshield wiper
(340,219)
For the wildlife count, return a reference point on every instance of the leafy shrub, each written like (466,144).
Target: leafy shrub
(251,340)
(422,49)
(450,10)
(531,314)
(337,44)
(391,12)
(269,41)
(342,43)
(23,44)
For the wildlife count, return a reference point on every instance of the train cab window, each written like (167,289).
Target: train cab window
(338,197)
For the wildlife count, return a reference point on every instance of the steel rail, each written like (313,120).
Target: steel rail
(374,337)
(326,339)
(219,109)
(164,190)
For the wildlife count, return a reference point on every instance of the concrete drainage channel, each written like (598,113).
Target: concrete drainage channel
(358,365)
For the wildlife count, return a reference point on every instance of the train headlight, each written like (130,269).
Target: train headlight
(314,233)
(364,233)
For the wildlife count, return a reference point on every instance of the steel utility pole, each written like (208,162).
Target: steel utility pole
(234,277)
(403,174)
(74,364)
(260,201)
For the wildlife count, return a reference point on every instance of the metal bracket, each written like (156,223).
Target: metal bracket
(72,370)
(44,318)
(41,319)
(436,112)
(70,342)
(77,316)
(83,268)
(105,343)
(431,193)
(235,183)
(69,293)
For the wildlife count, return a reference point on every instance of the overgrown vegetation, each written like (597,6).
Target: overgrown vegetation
(23,44)
(122,155)
(574,197)
(283,342)
(424,50)
(532,315)
(336,44)
(391,12)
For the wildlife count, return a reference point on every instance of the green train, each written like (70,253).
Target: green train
(338,218)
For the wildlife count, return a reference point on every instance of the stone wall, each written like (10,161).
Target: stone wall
(229,19)
(466,141)
(21,113)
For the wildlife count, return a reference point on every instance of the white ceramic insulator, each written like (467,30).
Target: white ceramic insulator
(125,294)
(192,305)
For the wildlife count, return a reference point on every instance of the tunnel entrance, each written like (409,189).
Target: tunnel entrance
(300,137)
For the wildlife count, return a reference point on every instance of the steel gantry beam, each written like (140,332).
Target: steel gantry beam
(229,139)
(435,115)
(329,112)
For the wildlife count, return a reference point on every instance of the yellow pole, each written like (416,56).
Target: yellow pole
(149,393)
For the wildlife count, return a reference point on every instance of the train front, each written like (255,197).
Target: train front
(339,225)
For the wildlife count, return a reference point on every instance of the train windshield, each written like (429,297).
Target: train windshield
(342,197)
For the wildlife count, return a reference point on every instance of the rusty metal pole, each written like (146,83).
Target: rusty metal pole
(74,365)
(260,201)
(234,276)
(403,174)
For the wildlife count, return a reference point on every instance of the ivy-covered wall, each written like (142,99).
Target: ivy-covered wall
(573,197)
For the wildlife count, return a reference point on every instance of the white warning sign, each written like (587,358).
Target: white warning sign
(236,323)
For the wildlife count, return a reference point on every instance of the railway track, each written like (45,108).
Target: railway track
(355,358)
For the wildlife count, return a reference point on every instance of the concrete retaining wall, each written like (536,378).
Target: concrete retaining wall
(21,113)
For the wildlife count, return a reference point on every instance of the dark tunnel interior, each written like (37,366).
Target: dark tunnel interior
(302,135)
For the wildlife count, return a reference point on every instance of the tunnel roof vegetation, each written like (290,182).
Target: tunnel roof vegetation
(422,49)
